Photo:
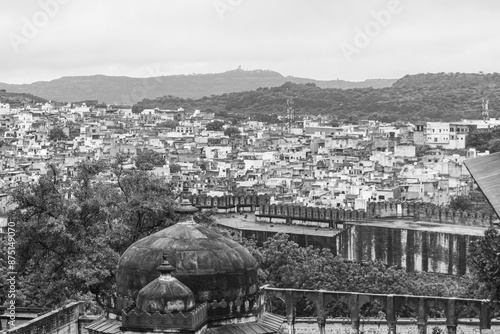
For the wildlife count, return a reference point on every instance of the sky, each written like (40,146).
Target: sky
(353,40)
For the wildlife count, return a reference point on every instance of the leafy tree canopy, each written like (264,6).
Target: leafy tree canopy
(231,131)
(463,203)
(175,168)
(148,160)
(72,232)
(484,255)
(56,134)
(215,126)
(286,265)
(484,139)
(167,124)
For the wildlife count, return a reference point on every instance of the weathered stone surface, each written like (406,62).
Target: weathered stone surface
(212,266)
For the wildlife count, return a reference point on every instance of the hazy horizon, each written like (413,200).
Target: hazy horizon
(187,74)
(322,40)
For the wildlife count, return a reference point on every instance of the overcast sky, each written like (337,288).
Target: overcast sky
(320,39)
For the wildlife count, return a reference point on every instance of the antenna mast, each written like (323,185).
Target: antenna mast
(485,113)
(290,113)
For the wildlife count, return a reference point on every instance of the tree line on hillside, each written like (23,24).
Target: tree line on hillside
(439,97)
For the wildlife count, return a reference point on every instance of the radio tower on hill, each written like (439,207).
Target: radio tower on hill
(290,114)
(485,113)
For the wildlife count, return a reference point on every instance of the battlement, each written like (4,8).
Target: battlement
(390,209)
(192,320)
(428,212)
(230,203)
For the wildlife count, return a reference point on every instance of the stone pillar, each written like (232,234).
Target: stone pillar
(451,317)
(391,314)
(320,309)
(290,311)
(354,310)
(484,317)
(422,316)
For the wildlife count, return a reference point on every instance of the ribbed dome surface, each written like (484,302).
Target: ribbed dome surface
(166,293)
(212,266)
(162,296)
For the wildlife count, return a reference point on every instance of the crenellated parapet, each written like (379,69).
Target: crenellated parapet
(229,201)
(389,209)
(428,212)
(137,320)
(309,214)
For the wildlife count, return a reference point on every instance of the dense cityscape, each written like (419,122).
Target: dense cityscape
(249,167)
(301,160)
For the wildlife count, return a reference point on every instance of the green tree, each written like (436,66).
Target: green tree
(421,150)
(484,139)
(168,124)
(352,119)
(56,134)
(231,131)
(175,168)
(462,203)
(215,126)
(72,232)
(494,146)
(148,160)
(484,256)
(286,265)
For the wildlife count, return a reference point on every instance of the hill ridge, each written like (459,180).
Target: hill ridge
(129,90)
(421,97)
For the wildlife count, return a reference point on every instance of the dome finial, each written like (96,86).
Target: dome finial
(166,293)
(185,207)
(165,268)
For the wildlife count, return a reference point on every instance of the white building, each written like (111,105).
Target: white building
(438,134)
(4,108)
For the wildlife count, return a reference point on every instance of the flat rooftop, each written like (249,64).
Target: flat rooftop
(423,226)
(238,221)
(241,223)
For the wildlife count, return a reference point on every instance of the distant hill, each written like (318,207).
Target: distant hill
(126,90)
(422,97)
(16,100)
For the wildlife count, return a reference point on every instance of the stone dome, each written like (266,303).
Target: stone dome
(166,293)
(211,265)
